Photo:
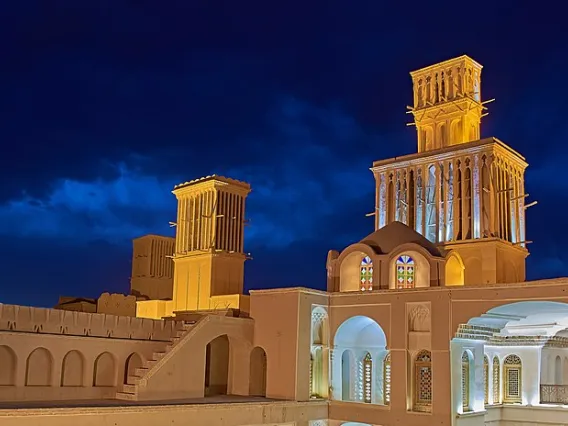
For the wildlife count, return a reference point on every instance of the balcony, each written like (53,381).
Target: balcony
(554,394)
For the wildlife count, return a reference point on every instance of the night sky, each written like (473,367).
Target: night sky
(106,104)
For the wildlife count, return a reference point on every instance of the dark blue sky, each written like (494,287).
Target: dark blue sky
(106,104)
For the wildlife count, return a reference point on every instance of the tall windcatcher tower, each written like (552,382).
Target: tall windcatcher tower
(209,250)
(464,193)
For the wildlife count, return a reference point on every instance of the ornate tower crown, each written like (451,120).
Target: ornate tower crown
(447,103)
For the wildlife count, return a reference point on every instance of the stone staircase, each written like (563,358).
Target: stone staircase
(129,391)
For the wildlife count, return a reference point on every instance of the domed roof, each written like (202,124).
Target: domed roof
(390,237)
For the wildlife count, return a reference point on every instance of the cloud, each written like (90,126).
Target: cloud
(300,186)
(115,210)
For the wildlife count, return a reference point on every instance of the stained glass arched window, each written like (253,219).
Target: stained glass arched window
(367,377)
(366,273)
(405,272)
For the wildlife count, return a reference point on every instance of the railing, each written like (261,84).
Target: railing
(554,394)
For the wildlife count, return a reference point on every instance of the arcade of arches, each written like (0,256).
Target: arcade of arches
(359,364)
(534,371)
(217,360)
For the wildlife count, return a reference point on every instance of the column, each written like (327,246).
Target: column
(457,199)
(382,206)
(521,225)
(513,205)
(440,205)
(476,213)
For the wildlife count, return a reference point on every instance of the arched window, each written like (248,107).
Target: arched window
(367,378)
(405,272)
(512,369)
(423,381)
(465,382)
(387,379)
(496,381)
(485,379)
(366,273)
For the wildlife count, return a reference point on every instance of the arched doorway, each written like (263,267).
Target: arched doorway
(357,341)
(257,381)
(217,366)
(133,362)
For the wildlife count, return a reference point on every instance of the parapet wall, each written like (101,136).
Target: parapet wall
(117,304)
(27,319)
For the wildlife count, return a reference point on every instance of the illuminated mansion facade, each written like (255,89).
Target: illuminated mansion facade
(428,320)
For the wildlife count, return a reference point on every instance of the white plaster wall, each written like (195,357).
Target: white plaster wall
(548,366)
(531,372)
(516,415)
(477,391)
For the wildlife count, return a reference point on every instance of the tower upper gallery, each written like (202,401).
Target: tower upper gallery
(447,103)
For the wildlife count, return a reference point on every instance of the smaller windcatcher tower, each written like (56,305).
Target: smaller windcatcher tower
(209,250)
(152,267)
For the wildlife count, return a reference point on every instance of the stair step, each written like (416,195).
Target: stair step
(140,372)
(133,380)
(156,356)
(129,388)
(126,396)
(150,363)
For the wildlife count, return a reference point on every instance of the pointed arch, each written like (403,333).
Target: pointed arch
(258,369)
(72,369)
(8,365)
(104,373)
(133,362)
(558,379)
(39,368)
(455,269)
(217,354)
(512,373)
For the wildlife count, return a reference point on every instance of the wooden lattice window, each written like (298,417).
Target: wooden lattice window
(387,379)
(496,381)
(512,369)
(465,381)
(367,378)
(423,378)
